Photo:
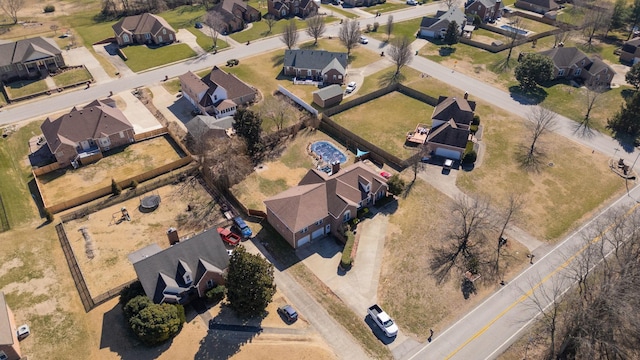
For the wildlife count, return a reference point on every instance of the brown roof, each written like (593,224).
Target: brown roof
(26,50)
(458,109)
(235,87)
(192,84)
(141,24)
(318,195)
(94,121)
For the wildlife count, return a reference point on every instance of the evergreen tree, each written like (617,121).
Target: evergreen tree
(533,70)
(620,14)
(250,283)
(633,76)
(396,184)
(452,36)
(248,125)
(626,121)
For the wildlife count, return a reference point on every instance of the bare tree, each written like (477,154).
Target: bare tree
(400,52)
(54,27)
(277,110)
(389,28)
(591,96)
(11,8)
(513,36)
(108,7)
(450,3)
(290,34)
(511,210)
(270,20)
(350,35)
(562,34)
(316,27)
(216,24)
(541,121)
(461,249)
(596,20)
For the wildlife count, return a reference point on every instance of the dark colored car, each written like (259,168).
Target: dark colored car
(198,25)
(288,313)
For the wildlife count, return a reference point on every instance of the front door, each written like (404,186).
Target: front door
(327,229)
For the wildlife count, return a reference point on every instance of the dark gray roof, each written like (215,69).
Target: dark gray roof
(598,65)
(547,4)
(26,50)
(204,251)
(6,332)
(313,59)
(445,17)
(565,56)
(449,134)
(329,91)
(203,123)
(485,3)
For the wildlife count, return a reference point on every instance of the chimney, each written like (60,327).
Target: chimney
(466,95)
(172,235)
(335,167)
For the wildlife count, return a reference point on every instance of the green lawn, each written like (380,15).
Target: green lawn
(340,10)
(88,29)
(22,88)
(184,17)
(16,174)
(407,28)
(142,57)
(259,29)
(386,120)
(359,57)
(71,77)
(384,7)
(205,40)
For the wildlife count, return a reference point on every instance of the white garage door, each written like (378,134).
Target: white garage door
(449,154)
(316,234)
(426,33)
(304,240)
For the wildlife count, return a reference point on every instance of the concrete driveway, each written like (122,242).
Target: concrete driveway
(138,114)
(82,56)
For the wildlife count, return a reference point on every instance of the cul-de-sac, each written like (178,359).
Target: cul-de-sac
(319,179)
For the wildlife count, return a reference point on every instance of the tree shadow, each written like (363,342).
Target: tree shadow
(278,60)
(391,78)
(627,142)
(117,336)
(468,288)
(583,129)
(627,93)
(446,50)
(502,65)
(528,97)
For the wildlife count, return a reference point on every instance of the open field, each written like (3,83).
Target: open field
(114,240)
(141,57)
(123,163)
(386,120)
(407,28)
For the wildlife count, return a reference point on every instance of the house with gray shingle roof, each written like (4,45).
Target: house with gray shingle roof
(318,65)
(280,9)
(9,343)
(206,127)
(485,9)
(143,29)
(321,203)
(328,96)
(433,27)
(571,63)
(451,121)
(630,52)
(538,6)
(81,135)
(217,93)
(184,271)
(29,58)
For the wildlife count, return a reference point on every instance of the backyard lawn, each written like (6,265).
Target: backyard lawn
(71,77)
(141,57)
(259,29)
(386,120)
(407,28)
(18,89)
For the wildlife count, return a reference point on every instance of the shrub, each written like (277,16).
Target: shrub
(115,188)
(156,323)
(396,184)
(470,157)
(216,294)
(376,25)
(49,9)
(346,260)
(48,215)
(369,27)
(134,184)
(476,120)
(131,291)
(135,305)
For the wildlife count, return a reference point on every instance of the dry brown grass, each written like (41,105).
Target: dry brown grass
(132,160)
(113,241)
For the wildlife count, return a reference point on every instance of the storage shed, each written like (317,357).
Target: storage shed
(328,96)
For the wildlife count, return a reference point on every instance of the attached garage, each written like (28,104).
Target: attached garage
(303,241)
(448,153)
(427,33)
(318,233)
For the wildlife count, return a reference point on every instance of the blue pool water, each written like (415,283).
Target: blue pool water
(512,29)
(328,152)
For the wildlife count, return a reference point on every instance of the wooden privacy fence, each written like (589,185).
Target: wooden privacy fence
(151,133)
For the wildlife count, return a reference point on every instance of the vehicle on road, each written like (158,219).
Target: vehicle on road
(350,87)
(228,236)
(289,313)
(383,320)
(242,227)
(412,2)
(364,40)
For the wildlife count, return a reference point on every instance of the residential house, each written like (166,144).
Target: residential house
(436,27)
(321,203)
(450,124)
(289,8)
(9,344)
(354,3)
(83,134)
(538,6)
(184,271)
(207,127)
(319,65)
(571,63)
(217,93)
(486,9)
(143,29)
(29,58)
(328,96)
(235,14)
(630,52)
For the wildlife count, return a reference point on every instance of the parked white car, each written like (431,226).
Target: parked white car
(364,40)
(350,87)
(412,2)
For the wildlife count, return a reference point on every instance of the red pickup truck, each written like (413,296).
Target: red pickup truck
(228,236)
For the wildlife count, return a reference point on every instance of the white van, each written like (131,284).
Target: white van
(448,164)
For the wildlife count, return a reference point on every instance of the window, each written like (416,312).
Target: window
(319,222)
(577,72)
(159,39)
(187,279)
(582,63)
(284,12)
(215,97)
(346,216)
(3,356)
(561,72)
(304,230)
(164,31)
(147,36)
(125,38)
(121,135)
(210,284)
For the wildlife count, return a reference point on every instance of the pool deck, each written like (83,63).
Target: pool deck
(327,151)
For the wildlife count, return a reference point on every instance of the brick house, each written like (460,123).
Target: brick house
(321,203)
(29,59)
(235,15)
(571,63)
(143,29)
(184,271)
(319,65)
(485,9)
(538,6)
(451,121)
(83,134)
(280,9)
(630,52)
(9,343)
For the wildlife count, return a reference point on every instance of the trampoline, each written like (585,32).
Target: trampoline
(149,203)
(328,152)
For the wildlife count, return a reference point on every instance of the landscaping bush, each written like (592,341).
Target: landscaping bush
(346,261)
(49,9)
(369,28)
(134,184)
(476,120)
(157,323)
(216,294)
(131,291)
(470,157)
(396,184)
(115,188)
(135,305)
(376,25)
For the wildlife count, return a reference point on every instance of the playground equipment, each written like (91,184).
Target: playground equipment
(120,216)
(88,243)
(150,202)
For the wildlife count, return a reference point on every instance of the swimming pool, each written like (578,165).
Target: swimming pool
(328,152)
(512,29)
